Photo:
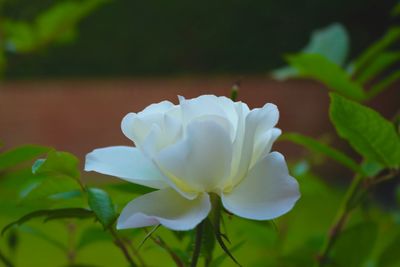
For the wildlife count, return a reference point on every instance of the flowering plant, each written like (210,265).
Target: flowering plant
(196,163)
(206,145)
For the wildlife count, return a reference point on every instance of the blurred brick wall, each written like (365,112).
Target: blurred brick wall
(78,116)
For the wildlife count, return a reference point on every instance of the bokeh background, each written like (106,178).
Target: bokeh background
(146,38)
(71,69)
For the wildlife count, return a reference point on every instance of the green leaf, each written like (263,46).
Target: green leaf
(49,214)
(58,164)
(396,10)
(56,24)
(331,75)
(20,37)
(354,245)
(321,43)
(101,204)
(130,188)
(37,164)
(391,36)
(371,168)
(20,154)
(382,61)
(51,188)
(383,84)
(319,147)
(367,131)
(92,235)
(390,256)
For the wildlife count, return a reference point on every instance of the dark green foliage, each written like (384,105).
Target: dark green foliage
(101,204)
(354,245)
(50,215)
(20,154)
(321,43)
(331,75)
(319,147)
(366,130)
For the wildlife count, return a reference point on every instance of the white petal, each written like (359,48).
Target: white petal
(136,126)
(242,111)
(266,193)
(263,144)
(157,108)
(207,105)
(165,207)
(153,131)
(127,163)
(258,121)
(201,160)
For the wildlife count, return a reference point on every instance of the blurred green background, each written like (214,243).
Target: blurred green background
(156,37)
(63,50)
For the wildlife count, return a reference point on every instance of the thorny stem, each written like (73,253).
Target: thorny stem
(121,245)
(197,244)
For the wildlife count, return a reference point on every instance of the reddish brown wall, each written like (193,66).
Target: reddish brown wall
(78,116)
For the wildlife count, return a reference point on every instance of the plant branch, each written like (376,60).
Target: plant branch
(197,244)
(71,251)
(357,189)
(173,255)
(119,242)
(135,252)
(341,218)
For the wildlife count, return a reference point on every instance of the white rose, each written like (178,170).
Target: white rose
(203,145)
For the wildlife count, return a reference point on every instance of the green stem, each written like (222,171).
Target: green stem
(349,202)
(122,247)
(71,251)
(135,252)
(197,244)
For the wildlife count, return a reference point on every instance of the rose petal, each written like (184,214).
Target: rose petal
(152,131)
(266,193)
(209,105)
(165,207)
(257,122)
(200,161)
(127,163)
(263,144)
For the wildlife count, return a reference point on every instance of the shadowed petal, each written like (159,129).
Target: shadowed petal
(258,121)
(165,207)
(266,193)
